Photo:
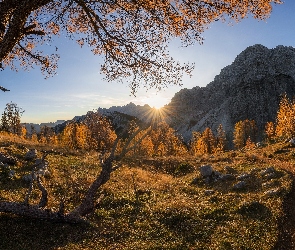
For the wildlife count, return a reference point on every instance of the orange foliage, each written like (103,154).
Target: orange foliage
(131,35)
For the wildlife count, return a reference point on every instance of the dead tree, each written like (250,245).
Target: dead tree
(89,202)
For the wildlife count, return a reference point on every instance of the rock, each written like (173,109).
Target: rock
(31,155)
(259,145)
(227,177)
(27,178)
(267,171)
(7,159)
(244,176)
(272,192)
(270,184)
(41,164)
(206,171)
(44,172)
(4,166)
(208,180)
(234,94)
(292,142)
(271,176)
(216,174)
(240,185)
(11,173)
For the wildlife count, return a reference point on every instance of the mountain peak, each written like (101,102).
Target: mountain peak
(249,88)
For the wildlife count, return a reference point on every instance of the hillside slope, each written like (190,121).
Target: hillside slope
(249,88)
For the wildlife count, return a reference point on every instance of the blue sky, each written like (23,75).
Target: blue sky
(79,86)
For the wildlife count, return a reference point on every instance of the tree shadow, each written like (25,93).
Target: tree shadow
(24,233)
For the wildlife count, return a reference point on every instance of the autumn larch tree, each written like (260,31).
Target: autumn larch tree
(132,36)
(220,139)
(285,123)
(244,131)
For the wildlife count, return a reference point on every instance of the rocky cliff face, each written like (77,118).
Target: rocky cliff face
(249,88)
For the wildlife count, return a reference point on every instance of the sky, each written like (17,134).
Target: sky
(79,87)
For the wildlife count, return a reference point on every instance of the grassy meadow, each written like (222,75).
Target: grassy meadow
(152,203)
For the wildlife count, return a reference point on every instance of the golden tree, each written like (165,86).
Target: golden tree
(166,142)
(194,142)
(132,36)
(243,131)
(220,139)
(206,142)
(285,127)
(101,135)
(270,130)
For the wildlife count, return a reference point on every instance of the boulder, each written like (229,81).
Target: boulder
(28,178)
(240,185)
(8,159)
(267,171)
(206,171)
(31,155)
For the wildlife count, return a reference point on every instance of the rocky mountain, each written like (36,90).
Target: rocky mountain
(141,112)
(249,88)
(120,116)
(37,126)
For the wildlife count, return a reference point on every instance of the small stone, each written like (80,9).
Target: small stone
(267,171)
(11,173)
(292,142)
(259,145)
(29,178)
(240,185)
(206,171)
(31,155)
(243,177)
(271,176)
(270,184)
(272,192)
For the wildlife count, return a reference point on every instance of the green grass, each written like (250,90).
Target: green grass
(158,203)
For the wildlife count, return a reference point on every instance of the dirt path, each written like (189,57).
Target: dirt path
(286,239)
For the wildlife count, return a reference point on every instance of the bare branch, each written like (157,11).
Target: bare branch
(4,89)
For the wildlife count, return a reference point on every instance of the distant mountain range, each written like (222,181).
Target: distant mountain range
(37,126)
(249,88)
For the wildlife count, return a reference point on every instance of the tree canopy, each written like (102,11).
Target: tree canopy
(131,36)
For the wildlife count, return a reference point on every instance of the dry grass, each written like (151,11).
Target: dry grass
(151,203)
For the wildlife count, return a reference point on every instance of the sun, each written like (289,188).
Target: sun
(156,101)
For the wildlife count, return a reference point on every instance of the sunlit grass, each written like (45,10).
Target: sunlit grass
(148,203)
